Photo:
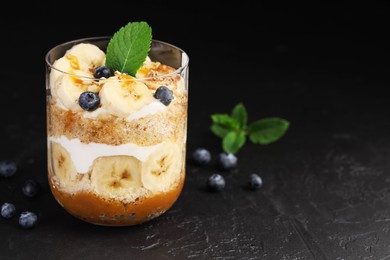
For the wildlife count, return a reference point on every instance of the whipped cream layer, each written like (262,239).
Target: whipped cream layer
(83,155)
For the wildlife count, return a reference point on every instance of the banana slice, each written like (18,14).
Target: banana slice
(89,54)
(147,61)
(162,169)
(63,166)
(67,90)
(116,176)
(68,64)
(152,69)
(73,74)
(153,73)
(83,57)
(123,95)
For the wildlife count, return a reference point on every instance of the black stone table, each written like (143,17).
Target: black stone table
(326,192)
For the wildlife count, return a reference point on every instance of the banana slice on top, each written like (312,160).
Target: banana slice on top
(67,90)
(155,75)
(122,95)
(83,57)
(116,176)
(162,168)
(89,54)
(73,74)
(63,166)
(68,64)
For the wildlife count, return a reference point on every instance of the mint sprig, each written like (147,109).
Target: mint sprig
(129,47)
(267,130)
(234,130)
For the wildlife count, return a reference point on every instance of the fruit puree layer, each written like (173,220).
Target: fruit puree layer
(92,208)
(123,161)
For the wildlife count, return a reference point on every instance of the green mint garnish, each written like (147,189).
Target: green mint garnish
(233,141)
(129,47)
(234,129)
(267,130)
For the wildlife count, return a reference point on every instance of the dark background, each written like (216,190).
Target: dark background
(324,67)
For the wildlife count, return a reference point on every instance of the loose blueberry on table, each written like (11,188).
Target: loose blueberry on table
(216,182)
(201,156)
(227,161)
(254,182)
(30,188)
(8,210)
(28,220)
(7,168)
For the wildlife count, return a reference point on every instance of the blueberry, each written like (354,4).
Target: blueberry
(201,156)
(89,100)
(8,210)
(254,182)
(30,188)
(164,94)
(216,182)
(28,219)
(227,161)
(102,71)
(7,168)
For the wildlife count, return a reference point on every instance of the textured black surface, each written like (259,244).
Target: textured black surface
(326,192)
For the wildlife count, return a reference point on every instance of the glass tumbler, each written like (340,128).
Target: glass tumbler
(116,143)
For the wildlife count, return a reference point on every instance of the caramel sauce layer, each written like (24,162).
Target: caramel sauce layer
(89,207)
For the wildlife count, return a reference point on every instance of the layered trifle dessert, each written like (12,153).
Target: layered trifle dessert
(116,142)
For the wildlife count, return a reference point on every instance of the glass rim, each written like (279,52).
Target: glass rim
(175,72)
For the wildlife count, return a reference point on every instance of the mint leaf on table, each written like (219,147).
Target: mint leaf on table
(240,115)
(267,130)
(225,120)
(219,130)
(233,141)
(129,47)
(223,124)
(233,129)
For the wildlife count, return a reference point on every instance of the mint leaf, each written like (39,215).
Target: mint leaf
(129,47)
(234,130)
(267,130)
(219,130)
(240,115)
(233,141)
(226,121)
